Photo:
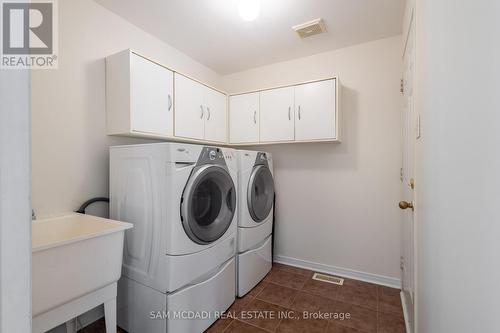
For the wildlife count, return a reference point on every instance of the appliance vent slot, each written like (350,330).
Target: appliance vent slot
(328,278)
(310,28)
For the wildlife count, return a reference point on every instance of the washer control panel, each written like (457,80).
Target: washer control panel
(211,155)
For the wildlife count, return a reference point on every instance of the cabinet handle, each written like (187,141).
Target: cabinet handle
(169,102)
(202,112)
(289,113)
(208,113)
(255,117)
(299,112)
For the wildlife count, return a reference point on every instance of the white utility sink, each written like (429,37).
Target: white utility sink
(76,264)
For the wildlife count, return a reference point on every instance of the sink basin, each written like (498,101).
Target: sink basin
(76,262)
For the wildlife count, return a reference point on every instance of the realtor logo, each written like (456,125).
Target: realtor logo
(29,34)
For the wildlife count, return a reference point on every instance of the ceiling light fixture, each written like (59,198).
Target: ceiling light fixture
(249,9)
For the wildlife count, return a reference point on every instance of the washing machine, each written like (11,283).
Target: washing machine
(178,270)
(255,218)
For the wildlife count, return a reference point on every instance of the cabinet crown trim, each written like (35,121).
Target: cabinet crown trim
(284,86)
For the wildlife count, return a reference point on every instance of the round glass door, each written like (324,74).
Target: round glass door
(208,204)
(260,194)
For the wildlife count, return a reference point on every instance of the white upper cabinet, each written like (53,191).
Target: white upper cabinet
(141,101)
(151,97)
(139,96)
(315,114)
(200,111)
(189,108)
(244,118)
(146,99)
(277,115)
(304,112)
(215,116)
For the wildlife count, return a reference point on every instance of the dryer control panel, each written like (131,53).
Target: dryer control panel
(211,155)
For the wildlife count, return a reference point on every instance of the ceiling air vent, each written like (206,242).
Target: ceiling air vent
(310,28)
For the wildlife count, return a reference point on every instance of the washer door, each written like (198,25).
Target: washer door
(208,204)
(260,194)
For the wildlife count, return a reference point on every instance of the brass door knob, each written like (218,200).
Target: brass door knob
(405,205)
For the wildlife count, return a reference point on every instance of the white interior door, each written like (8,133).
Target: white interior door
(151,97)
(244,118)
(410,134)
(189,108)
(315,110)
(215,116)
(277,115)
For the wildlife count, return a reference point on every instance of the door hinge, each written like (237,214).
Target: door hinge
(401,263)
(401,174)
(402,87)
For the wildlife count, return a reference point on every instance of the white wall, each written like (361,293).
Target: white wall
(337,203)
(458,66)
(15,212)
(69,142)
(70,146)
(353,222)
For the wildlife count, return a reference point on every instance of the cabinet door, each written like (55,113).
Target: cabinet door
(277,115)
(315,110)
(151,92)
(244,118)
(215,115)
(189,108)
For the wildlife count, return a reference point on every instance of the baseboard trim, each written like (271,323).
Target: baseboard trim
(406,315)
(340,271)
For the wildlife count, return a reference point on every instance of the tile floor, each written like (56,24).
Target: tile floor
(291,291)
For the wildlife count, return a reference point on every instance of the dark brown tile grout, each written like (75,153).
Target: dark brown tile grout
(225,329)
(335,302)
(336,299)
(286,307)
(378,307)
(245,322)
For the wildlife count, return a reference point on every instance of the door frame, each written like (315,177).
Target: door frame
(15,201)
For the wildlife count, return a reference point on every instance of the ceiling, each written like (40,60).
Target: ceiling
(212,32)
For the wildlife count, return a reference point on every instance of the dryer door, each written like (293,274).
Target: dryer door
(260,194)
(208,204)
